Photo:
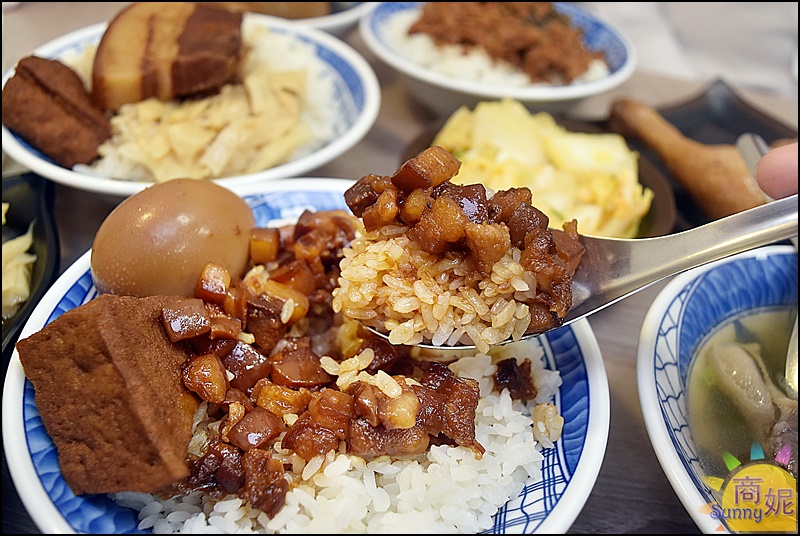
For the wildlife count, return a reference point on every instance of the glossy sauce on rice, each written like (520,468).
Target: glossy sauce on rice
(438,306)
(447,489)
(448,264)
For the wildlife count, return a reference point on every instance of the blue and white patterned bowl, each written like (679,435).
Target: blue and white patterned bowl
(547,505)
(444,94)
(356,103)
(690,308)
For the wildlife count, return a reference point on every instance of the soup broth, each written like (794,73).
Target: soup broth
(716,423)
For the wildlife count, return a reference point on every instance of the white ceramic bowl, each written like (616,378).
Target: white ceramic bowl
(343,18)
(547,505)
(691,308)
(444,93)
(355,105)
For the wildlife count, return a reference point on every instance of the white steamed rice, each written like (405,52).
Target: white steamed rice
(446,490)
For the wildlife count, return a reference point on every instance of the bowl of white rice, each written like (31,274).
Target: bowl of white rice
(338,98)
(444,77)
(541,460)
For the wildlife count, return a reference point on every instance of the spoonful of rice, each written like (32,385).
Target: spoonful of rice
(440,265)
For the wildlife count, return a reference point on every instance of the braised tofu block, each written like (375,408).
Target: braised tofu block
(44,101)
(117,412)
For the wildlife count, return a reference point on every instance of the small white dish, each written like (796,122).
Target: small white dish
(547,505)
(692,307)
(356,103)
(444,93)
(341,20)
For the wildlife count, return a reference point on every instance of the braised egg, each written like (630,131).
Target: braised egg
(157,241)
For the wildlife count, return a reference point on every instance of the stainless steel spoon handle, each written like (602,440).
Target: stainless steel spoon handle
(612,269)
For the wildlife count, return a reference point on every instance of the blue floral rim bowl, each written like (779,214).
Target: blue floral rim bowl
(444,93)
(691,309)
(547,504)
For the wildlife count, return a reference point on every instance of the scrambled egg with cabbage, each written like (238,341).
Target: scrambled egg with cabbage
(593,178)
(17,266)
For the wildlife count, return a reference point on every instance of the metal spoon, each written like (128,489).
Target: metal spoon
(614,268)
(752,147)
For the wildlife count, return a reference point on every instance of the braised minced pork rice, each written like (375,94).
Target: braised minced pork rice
(475,64)
(445,489)
(450,264)
(438,306)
